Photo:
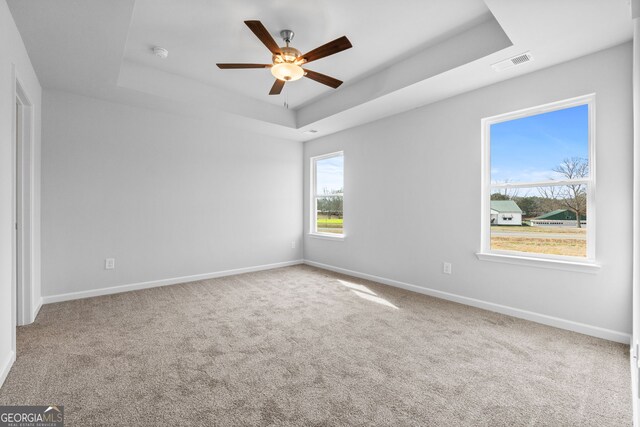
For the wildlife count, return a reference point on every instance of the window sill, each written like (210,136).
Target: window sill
(327,236)
(581,267)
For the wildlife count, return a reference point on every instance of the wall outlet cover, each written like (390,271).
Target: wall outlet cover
(446,267)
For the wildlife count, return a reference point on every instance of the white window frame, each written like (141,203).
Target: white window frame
(314,196)
(587,264)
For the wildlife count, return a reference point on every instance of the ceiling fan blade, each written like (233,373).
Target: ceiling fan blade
(263,34)
(321,78)
(338,45)
(235,66)
(277,87)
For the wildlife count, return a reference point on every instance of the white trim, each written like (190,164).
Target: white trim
(635,300)
(24,152)
(14,234)
(558,264)
(557,322)
(6,366)
(322,196)
(328,155)
(540,109)
(486,185)
(327,236)
(557,183)
(538,259)
(36,310)
(49,299)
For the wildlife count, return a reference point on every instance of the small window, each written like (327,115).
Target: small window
(539,182)
(327,177)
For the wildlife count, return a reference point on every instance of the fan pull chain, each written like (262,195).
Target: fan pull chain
(286,97)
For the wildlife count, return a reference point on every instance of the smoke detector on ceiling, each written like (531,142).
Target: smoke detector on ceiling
(160,52)
(310,131)
(512,62)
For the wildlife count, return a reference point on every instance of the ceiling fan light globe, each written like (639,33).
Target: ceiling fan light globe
(287,72)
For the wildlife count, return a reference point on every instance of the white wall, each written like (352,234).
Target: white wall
(427,158)
(13,56)
(166,196)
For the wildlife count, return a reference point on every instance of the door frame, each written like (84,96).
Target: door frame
(23,183)
(635,338)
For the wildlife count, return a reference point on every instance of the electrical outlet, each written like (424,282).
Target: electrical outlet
(446,267)
(109,263)
(293,244)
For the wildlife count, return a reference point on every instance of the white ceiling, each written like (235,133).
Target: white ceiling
(405,54)
(199,33)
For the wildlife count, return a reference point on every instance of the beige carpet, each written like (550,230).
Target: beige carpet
(300,346)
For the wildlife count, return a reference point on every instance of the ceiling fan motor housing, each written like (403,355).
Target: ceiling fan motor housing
(287,54)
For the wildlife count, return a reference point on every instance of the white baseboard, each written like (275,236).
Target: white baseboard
(7,363)
(557,322)
(36,310)
(163,282)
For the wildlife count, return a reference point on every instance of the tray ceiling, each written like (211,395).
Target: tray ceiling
(403,57)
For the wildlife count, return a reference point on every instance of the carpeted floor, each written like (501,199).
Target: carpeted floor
(300,346)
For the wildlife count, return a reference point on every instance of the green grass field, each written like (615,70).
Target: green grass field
(568,241)
(329,225)
(567,247)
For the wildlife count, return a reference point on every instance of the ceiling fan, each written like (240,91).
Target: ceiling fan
(288,61)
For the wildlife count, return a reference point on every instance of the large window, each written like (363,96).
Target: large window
(539,182)
(327,177)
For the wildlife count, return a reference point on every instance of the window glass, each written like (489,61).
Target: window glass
(330,175)
(540,183)
(532,148)
(537,220)
(327,209)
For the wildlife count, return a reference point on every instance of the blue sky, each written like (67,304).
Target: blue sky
(330,174)
(527,149)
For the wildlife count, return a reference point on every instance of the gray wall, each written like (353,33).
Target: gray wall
(167,196)
(412,196)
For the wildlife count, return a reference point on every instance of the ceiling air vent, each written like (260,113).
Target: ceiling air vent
(512,62)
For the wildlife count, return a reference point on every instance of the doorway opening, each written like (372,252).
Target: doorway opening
(23,161)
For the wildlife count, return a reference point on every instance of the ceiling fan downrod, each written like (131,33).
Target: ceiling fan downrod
(287,36)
